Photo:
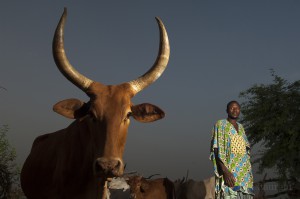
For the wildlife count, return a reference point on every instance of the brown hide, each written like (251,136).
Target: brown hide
(141,188)
(74,162)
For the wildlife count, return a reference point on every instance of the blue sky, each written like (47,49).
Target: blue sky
(218,49)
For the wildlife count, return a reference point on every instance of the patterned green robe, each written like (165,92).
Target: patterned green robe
(233,150)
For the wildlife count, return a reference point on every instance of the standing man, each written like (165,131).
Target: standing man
(230,154)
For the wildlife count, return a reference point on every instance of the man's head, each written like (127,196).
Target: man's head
(233,109)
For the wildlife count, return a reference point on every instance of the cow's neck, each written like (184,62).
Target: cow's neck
(78,154)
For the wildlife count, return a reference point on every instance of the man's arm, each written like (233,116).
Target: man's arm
(229,179)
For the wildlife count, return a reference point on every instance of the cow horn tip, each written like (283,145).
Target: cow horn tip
(158,19)
(65,12)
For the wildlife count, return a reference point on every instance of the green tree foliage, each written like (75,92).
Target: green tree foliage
(271,116)
(8,170)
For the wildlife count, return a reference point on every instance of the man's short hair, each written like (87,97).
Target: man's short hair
(231,102)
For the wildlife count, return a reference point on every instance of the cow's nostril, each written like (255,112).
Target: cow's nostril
(108,166)
(117,164)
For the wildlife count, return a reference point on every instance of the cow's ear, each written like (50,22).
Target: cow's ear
(71,108)
(147,112)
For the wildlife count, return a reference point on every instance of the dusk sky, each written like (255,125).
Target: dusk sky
(218,49)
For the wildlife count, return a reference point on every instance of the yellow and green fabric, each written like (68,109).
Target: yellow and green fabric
(233,150)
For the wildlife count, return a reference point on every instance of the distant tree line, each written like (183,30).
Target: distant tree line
(271,116)
(9,171)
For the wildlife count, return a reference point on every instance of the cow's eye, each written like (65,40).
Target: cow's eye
(142,190)
(92,114)
(129,114)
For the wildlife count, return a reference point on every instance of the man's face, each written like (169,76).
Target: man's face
(233,110)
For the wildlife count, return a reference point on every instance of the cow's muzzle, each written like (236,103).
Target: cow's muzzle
(110,167)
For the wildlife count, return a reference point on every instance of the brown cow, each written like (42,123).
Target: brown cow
(74,162)
(142,188)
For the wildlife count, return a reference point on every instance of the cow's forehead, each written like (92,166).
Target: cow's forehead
(110,92)
(110,100)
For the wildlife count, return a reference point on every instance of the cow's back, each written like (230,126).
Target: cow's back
(192,189)
(209,184)
(42,158)
(56,162)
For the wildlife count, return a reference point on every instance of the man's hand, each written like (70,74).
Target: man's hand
(229,179)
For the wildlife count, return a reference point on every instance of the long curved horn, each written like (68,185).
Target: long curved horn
(160,64)
(61,59)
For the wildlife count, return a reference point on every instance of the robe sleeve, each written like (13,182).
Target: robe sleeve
(218,142)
